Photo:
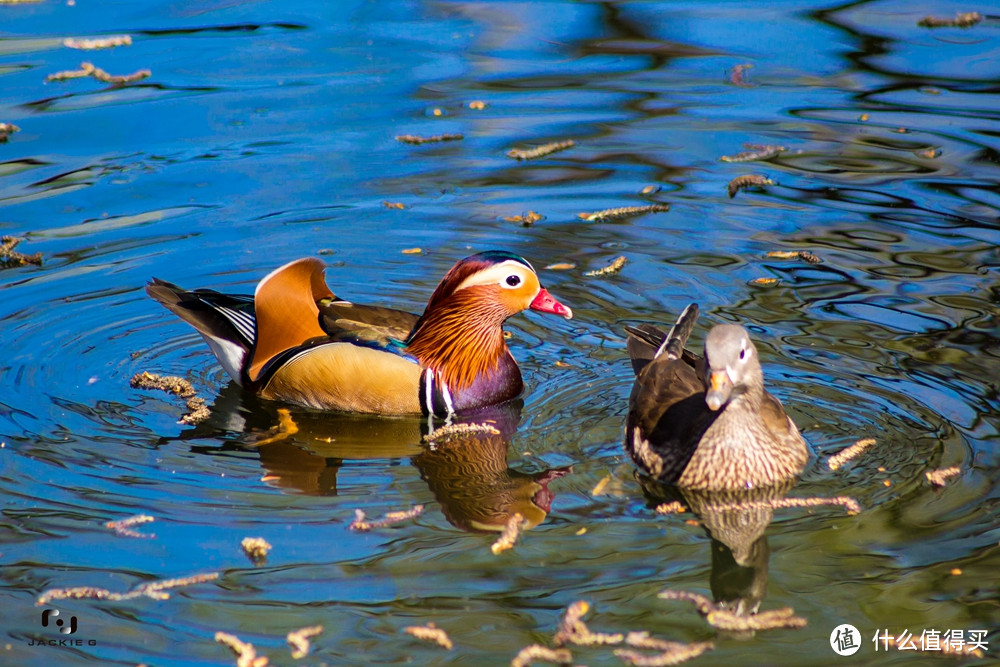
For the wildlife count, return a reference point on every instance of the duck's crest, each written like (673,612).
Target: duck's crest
(465,268)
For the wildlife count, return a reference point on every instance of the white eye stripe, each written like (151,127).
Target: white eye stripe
(498,275)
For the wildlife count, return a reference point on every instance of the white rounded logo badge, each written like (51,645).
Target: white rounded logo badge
(845,639)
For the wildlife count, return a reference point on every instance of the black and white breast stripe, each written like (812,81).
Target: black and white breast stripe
(435,398)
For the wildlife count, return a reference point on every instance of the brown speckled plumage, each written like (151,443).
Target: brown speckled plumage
(674,434)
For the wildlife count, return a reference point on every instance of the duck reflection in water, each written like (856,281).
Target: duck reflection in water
(736,522)
(467,473)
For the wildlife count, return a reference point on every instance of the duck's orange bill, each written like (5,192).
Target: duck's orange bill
(546,303)
(720,387)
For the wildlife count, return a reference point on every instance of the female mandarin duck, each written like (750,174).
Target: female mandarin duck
(707,424)
(294,341)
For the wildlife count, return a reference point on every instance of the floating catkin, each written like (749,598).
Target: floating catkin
(747,181)
(416,140)
(123,527)
(609,270)
(845,455)
(541,151)
(98,43)
(624,212)
(153,589)
(430,633)
(961,20)
(359,524)
(940,477)
(299,640)
(535,652)
(88,69)
(511,531)
(755,153)
(459,430)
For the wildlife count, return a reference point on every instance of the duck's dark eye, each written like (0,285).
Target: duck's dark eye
(743,353)
(513,281)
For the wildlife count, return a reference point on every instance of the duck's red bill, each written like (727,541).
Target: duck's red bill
(546,303)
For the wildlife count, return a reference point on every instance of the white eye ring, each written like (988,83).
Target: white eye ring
(512,281)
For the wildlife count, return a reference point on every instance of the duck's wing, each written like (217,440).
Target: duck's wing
(667,410)
(783,429)
(339,316)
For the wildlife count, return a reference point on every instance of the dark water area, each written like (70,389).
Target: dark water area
(266,132)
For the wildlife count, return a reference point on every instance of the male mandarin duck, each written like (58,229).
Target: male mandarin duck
(294,341)
(707,424)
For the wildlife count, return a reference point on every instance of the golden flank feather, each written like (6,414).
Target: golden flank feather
(342,376)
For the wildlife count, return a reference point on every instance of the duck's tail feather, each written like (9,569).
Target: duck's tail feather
(675,340)
(227,322)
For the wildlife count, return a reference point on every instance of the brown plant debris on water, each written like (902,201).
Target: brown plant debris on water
(747,181)
(736,75)
(123,527)
(572,629)
(153,589)
(804,255)
(623,212)
(773,619)
(390,518)
(98,43)
(541,151)
(845,455)
(940,477)
(430,633)
(608,270)
(724,619)
(850,504)
(673,507)
(11,258)
(527,219)
(256,549)
(756,152)
(670,653)
(246,654)
(88,69)
(561,266)
(169,383)
(460,431)
(7,129)
(299,640)
(197,409)
(399,206)
(530,654)
(961,20)
(416,139)
(508,538)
